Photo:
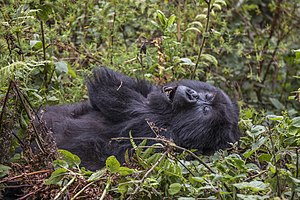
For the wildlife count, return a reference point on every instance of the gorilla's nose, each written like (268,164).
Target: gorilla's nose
(185,96)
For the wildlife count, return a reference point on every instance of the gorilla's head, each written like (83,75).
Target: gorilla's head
(201,116)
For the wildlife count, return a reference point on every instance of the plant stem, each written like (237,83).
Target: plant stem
(204,36)
(106,188)
(78,193)
(112,38)
(64,188)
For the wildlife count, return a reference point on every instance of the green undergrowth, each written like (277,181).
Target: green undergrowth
(265,165)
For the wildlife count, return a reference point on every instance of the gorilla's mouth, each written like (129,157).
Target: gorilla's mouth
(170,92)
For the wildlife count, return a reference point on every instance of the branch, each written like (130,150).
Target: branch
(203,38)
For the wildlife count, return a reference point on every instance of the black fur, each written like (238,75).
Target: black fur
(194,114)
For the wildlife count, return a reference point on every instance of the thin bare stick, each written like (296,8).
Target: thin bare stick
(204,35)
(78,193)
(106,188)
(64,188)
(4,104)
(147,174)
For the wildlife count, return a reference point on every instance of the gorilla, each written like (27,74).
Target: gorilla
(193,114)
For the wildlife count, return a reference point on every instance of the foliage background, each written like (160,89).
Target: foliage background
(248,48)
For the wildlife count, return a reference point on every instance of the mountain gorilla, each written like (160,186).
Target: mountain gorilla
(194,114)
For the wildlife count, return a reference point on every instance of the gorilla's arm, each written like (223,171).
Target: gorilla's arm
(79,129)
(114,94)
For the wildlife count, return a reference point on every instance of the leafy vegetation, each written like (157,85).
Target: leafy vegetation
(248,48)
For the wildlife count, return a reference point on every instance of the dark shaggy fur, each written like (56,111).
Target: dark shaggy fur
(193,114)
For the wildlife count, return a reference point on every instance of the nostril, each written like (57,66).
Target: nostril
(192,94)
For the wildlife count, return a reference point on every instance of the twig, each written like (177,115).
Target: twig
(106,188)
(197,157)
(65,187)
(4,105)
(274,23)
(112,38)
(28,195)
(204,36)
(184,165)
(147,174)
(78,193)
(275,162)
(21,96)
(297,162)
(297,171)
(24,174)
(254,176)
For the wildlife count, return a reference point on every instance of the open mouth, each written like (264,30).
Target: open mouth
(170,92)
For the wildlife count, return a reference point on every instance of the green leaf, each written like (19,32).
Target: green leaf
(221,2)
(217,6)
(71,72)
(97,175)
(124,171)
(36,44)
(122,188)
(4,170)
(253,197)
(193,29)
(295,180)
(60,163)
(56,176)
(257,130)
(255,146)
(197,23)
(71,159)
(174,188)
(112,164)
(276,103)
(210,59)
(52,98)
(187,61)
(171,20)
(253,185)
(296,122)
(162,18)
(198,179)
(265,157)
(132,141)
(44,11)
(201,16)
(274,117)
(61,67)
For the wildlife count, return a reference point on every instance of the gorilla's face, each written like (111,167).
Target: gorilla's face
(203,117)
